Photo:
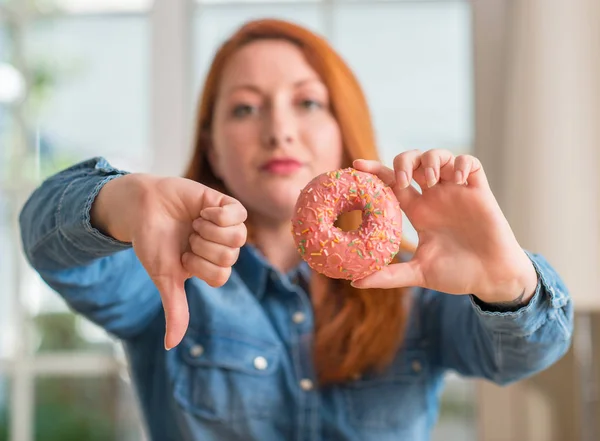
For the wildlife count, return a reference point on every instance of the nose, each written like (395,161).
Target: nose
(279,128)
(275,141)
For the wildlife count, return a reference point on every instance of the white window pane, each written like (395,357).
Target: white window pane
(414,62)
(275,2)
(90,94)
(7,278)
(6,121)
(87,6)
(216,23)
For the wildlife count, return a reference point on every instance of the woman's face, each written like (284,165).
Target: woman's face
(272,128)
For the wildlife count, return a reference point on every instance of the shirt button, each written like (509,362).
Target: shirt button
(416,365)
(196,351)
(298,317)
(261,363)
(306,384)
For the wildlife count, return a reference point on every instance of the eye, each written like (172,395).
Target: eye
(242,110)
(311,104)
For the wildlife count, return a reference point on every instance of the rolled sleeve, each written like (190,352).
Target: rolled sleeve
(548,302)
(55,221)
(74,221)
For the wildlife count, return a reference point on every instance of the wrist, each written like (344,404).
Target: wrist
(109,209)
(517,291)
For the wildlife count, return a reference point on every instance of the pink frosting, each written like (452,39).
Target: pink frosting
(347,254)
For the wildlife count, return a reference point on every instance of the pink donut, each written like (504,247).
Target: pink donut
(347,254)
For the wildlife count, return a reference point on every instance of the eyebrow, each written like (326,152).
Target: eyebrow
(256,89)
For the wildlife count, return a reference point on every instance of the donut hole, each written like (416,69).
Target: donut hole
(349,220)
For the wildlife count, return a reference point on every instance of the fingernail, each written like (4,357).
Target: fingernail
(403,179)
(458,176)
(166,347)
(430,177)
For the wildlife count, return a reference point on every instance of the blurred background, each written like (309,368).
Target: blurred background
(515,82)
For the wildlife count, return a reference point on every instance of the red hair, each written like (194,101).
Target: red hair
(356,330)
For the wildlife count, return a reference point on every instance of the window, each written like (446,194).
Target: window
(88,96)
(92,90)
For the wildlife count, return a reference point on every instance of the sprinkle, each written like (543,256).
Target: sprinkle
(315,254)
(300,222)
(325,252)
(336,240)
(337,175)
(309,190)
(360,254)
(305,231)
(352,190)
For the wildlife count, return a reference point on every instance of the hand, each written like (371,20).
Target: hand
(466,245)
(178,229)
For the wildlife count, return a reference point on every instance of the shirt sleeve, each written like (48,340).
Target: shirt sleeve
(97,275)
(502,347)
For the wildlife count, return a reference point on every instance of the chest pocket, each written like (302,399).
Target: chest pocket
(227,377)
(393,399)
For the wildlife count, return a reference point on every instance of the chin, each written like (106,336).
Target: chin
(278,206)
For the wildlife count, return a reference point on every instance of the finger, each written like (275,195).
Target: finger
(405,195)
(234,236)
(468,169)
(227,215)
(377,168)
(212,274)
(397,275)
(176,309)
(404,165)
(218,254)
(433,162)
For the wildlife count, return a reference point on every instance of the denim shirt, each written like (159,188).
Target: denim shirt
(244,370)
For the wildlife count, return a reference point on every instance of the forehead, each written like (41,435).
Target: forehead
(268,62)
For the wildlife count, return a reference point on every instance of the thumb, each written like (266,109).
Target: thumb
(397,275)
(177,315)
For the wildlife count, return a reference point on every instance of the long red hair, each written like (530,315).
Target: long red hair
(356,330)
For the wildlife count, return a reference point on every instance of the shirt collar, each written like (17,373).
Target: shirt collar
(254,270)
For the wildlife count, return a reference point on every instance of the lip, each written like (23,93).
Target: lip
(281,166)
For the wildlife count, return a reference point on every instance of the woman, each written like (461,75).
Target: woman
(260,347)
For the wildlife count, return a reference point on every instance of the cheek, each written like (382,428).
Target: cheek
(325,141)
(234,146)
